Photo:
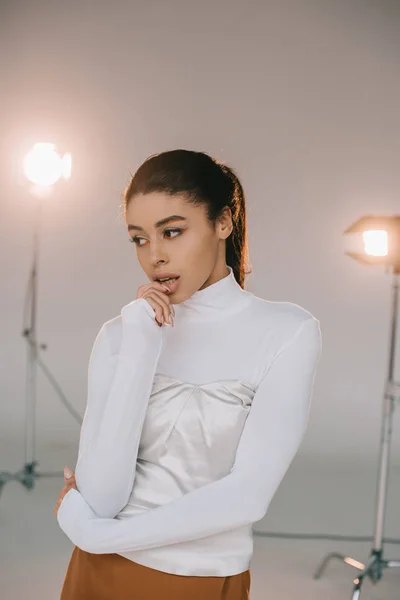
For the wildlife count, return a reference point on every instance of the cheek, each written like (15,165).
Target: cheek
(199,243)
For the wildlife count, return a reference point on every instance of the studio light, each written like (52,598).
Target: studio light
(378,243)
(381,241)
(43,167)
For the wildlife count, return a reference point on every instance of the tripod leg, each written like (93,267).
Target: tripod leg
(345,559)
(357,588)
(393,564)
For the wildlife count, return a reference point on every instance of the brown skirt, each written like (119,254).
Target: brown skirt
(114,577)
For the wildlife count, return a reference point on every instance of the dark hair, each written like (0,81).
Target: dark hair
(203,180)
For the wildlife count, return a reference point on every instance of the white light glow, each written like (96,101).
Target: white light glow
(376,242)
(67,166)
(43,166)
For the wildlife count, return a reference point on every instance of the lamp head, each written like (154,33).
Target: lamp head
(381,240)
(43,166)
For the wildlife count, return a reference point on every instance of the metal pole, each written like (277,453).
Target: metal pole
(376,563)
(389,402)
(32,355)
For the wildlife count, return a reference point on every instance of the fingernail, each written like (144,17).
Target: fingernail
(67,473)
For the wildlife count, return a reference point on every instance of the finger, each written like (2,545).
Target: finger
(70,481)
(68,487)
(166,302)
(68,474)
(158,310)
(64,491)
(166,306)
(159,304)
(156,285)
(162,291)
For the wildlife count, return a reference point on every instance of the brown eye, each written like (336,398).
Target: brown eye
(173,231)
(136,239)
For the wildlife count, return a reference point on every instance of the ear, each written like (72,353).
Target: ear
(225,223)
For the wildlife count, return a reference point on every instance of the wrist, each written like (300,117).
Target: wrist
(139,327)
(136,310)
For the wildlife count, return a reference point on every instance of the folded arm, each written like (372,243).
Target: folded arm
(119,386)
(270,439)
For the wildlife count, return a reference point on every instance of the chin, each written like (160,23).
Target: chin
(176,298)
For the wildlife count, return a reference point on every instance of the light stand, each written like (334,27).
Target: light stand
(27,475)
(376,563)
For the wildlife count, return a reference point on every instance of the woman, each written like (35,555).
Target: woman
(198,399)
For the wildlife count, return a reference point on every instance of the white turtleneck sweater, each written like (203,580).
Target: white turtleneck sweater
(190,429)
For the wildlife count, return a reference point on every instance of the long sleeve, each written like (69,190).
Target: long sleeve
(270,439)
(119,386)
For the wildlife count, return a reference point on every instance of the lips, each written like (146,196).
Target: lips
(165,275)
(171,285)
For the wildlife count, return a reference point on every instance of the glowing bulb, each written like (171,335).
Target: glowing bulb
(44,166)
(376,242)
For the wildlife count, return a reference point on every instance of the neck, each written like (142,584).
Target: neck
(214,301)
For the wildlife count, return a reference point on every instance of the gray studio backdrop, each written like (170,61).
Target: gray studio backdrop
(300,97)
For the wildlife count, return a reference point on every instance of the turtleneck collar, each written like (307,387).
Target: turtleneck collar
(215,300)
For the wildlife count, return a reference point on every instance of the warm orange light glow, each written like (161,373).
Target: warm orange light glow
(376,242)
(354,563)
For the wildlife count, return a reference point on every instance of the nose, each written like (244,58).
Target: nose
(157,255)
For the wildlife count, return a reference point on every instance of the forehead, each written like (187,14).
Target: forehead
(145,209)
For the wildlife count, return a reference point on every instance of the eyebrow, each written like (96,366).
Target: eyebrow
(159,223)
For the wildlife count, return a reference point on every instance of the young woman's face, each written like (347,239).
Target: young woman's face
(184,244)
